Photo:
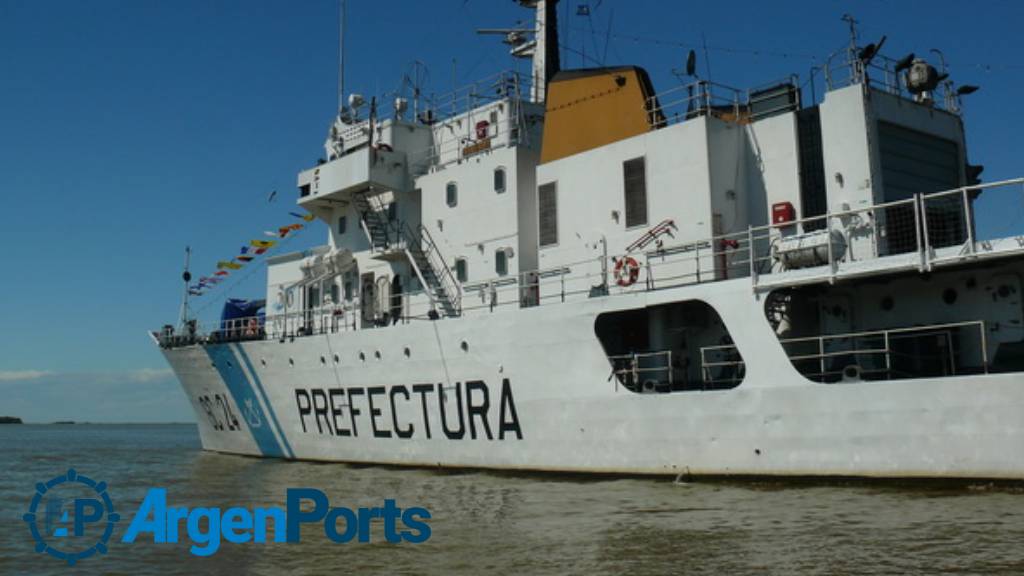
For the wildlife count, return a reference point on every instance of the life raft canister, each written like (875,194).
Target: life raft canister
(627,270)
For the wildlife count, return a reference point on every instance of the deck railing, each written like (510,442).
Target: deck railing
(920,233)
(643,372)
(871,354)
(704,98)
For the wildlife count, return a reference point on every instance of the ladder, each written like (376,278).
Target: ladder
(417,245)
(664,227)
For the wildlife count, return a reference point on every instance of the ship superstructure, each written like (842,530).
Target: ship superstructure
(572,271)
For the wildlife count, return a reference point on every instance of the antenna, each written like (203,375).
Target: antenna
(186,276)
(543,48)
(707,59)
(853,30)
(851,55)
(341,56)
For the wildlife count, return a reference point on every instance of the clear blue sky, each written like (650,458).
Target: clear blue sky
(131,128)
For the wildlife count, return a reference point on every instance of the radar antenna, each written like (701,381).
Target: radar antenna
(543,48)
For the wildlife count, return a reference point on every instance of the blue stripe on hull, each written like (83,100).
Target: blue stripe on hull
(230,370)
(266,400)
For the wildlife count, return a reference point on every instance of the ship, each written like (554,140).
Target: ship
(564,270)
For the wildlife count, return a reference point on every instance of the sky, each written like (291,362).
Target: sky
(132,128)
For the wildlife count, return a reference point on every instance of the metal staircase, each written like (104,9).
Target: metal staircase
(374,222)
(389,237)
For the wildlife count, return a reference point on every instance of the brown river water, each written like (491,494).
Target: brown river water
(493,523)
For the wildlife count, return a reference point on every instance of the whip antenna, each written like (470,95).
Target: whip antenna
(341,55)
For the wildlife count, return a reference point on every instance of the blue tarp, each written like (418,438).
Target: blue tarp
(235,308)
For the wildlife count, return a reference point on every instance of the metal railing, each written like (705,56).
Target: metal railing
(871,352)
(698,98)
(438,109)
(638,371)
(329,319)
(844,68)
(703,98)
(419,245)
(435,259)
(920,233)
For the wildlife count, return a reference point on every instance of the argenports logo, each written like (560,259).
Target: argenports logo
(78,520)
(77,517)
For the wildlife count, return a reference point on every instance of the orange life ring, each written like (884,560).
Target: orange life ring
(627,270)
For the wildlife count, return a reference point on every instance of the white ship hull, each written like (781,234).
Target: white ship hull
(552,405)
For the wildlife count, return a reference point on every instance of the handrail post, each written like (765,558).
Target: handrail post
(924,231)
(831,255)
(968,221)
(922,254)
(984,346)
(821,357)
(696,250)
(750,255)
(888,356)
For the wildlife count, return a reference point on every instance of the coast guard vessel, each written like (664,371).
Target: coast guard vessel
(569,271)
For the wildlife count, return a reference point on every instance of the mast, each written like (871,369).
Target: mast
(546,61)
(543,49)
(186,276)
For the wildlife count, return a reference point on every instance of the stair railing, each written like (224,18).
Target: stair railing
(421,238)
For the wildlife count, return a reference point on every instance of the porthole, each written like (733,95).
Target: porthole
(323,361)
(291,362)
(949,296)
(337,360)
(465,346)
(263,362)
(377,354)
(408,352)
(362,357)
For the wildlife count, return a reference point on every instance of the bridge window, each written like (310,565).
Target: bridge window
(678,347)
(499,180)
(635,186)
(547,208)
(342,225)
(452,194)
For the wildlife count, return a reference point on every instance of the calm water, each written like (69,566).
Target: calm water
(496,523)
